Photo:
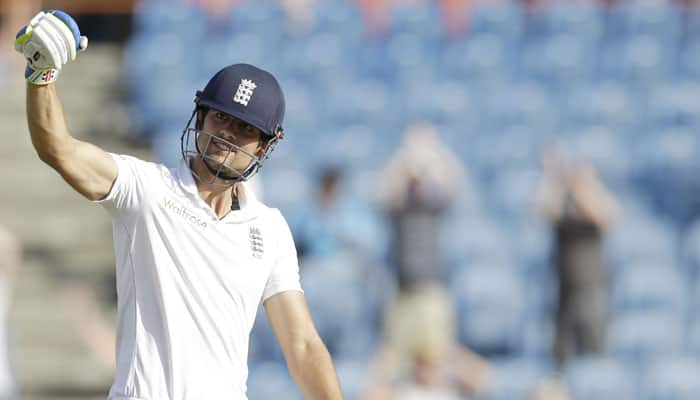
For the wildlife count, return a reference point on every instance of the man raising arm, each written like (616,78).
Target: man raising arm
(196,252)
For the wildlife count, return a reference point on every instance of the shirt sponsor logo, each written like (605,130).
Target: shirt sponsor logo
(183,212)
(256,242)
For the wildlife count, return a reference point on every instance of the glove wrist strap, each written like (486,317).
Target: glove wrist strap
(41,76)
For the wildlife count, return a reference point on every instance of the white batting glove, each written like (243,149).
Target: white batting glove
(48,42)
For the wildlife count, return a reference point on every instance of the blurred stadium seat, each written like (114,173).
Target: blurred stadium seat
(595,378)
(673,378)
(491,303)
(648,288)
(515,378)
(640,338)
(503,20)
(268,379)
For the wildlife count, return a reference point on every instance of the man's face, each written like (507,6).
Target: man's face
(215,149)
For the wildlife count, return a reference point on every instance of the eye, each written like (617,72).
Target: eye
(221,117)
(247,129)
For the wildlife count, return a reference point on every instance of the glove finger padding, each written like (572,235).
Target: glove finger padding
(64,37)
(48,42)
(43,41)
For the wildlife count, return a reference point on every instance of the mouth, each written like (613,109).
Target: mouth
(222,148)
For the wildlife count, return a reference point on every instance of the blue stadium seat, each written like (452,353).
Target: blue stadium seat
(672,379)
(645,288)
(691,25)
(474,239)
(522,102)
(339,17)
(693,335)
(253,16)
(353,377)
(490,302)
(225,48)
(563,60)
(643,337)
(161,88)
(689,61)
(511,195)
(604,148)
(642,240)
(440,102)
(597,378)
(285,183)
(162,16)
(641,61)
(606,104)
(661,20)
(532,242)
(581,20)
(482,59)
(691,252)
(410,56)
(675,104)
(515,378)
(268,380)
(339,299)
(504,20)
(538,335)
(665,173)
(263,346)
(420,18)
(302,115)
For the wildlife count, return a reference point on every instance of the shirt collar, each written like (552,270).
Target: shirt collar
(249,205)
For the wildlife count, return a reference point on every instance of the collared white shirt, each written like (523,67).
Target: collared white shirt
(188,284)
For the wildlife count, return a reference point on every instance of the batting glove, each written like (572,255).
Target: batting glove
(49,41)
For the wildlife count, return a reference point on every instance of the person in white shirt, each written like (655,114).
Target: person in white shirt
(196,252)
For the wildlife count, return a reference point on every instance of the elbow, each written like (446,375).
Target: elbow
(53,154)
(305,348)
(49,158)
(46,156)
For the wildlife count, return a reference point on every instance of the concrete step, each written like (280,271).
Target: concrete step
(49,351)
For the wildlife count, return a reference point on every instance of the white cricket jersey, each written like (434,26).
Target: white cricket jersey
(189,284)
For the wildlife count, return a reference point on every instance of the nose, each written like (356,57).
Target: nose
(227,134)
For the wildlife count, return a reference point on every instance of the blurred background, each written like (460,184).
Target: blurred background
(490,199)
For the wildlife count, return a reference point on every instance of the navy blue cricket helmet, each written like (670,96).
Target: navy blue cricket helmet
(249,94)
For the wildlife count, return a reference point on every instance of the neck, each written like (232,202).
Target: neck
(217,197)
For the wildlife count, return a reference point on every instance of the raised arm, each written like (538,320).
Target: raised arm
(48,42)
(86,167)
(307,358)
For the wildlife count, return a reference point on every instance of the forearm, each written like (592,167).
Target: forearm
(47,125)
(312,369)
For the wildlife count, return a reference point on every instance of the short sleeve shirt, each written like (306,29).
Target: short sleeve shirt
(189,284)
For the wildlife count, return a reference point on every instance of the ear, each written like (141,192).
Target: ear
(201,114)
(262,146)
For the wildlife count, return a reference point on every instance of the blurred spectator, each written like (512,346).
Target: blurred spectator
(579,208)
(378,14)
(299,13)
(14,14)
(216,9)
(550,390)
(94,330)
(420,356)
(416,187)
(315,232)
(9,262)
